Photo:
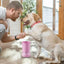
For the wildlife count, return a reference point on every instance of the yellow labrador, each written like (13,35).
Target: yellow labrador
(45,36)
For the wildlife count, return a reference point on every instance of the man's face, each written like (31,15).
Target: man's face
(15,14)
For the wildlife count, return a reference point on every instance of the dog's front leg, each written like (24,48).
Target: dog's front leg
(56,53)
(34,34)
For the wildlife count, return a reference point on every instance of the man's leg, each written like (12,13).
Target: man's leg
(2,32)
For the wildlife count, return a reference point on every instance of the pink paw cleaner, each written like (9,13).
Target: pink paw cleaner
(26,49)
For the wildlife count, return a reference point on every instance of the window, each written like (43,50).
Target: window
(50,12)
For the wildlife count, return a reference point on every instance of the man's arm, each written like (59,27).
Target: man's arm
(7,38)
(4,23)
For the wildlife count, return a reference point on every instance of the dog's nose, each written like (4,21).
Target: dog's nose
(28,21)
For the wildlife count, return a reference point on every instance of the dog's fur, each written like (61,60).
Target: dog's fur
(46,37)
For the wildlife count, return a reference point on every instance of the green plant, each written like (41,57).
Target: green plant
(28,7)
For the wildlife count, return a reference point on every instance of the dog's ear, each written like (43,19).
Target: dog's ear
(36,17)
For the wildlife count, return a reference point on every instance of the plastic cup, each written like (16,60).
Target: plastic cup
(26,49)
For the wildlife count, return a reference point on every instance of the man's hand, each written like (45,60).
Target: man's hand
(21,35)
(7,38)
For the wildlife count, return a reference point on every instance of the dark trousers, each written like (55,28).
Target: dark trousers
(2,30)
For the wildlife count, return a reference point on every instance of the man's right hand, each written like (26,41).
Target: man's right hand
(4,22)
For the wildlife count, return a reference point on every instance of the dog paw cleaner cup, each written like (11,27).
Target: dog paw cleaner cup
(26,49)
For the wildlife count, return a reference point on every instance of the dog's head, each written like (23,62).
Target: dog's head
(31,18)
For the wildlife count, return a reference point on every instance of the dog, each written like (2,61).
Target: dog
(45,36)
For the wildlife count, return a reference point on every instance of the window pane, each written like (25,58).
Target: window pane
(48,12)
(57,17)
(48,3)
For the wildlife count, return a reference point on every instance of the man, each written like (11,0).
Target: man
(12,11)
